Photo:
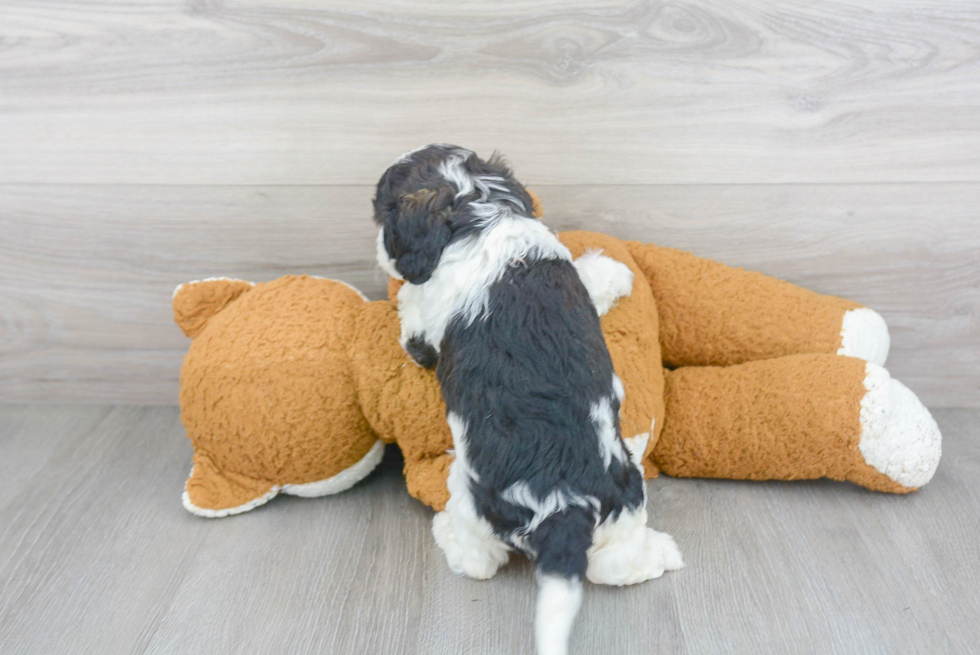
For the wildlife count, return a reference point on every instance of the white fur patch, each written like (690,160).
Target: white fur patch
(610,444)
(404,158)
(864,334)
(625,551)
(899,437)
(460,284)
(452,170)
(466,538)
(555,502)
(606,279)
(618,388)
(559,600)
(458,429)
(343,480)
(637,447)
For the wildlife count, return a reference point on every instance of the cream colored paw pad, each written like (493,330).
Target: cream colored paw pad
(899,437)
(864,334)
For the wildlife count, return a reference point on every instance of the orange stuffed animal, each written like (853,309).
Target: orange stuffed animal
(295,385)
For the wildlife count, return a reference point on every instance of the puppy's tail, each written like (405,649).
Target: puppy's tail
(561,542)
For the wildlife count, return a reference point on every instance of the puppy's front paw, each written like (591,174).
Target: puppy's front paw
(606,279)
(421,352)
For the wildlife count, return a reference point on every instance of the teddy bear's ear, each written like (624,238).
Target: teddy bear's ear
(393,287)
(196,302)
(536,211)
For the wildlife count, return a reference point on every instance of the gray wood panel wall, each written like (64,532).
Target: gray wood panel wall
(144,144)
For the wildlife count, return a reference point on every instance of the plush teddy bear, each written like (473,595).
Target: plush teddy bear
(295,385)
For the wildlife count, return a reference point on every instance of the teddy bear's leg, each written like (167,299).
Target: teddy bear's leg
(426,478)
(212,493)
(798,417)
(716,315)
(625,551)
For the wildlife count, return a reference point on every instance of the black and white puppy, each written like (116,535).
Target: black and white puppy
(495,303)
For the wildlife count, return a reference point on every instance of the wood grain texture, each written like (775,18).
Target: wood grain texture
(87,272)
(97,556)
(601,92)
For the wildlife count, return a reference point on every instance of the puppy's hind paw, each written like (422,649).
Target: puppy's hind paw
(469,551)
(635,554)
(662,546)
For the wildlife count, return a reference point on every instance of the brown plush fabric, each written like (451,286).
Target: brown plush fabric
(267,393)
(293,381)
(211,488)
(536,210)
(196,302)
(631,331)
(790,418)
(426,480)
(717,315)
(402,401)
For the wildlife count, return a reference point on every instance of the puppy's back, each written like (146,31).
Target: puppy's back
(533,382)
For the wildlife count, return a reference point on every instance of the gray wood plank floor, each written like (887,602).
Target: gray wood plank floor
(97,556)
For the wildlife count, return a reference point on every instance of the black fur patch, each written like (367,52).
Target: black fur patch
(424,354)
(524,379)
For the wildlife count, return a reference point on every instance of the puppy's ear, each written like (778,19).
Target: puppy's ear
(418,229)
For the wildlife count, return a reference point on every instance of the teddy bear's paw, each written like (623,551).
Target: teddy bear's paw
(899,437)
(625,551)
(864,334)
(470,547)
(606,279)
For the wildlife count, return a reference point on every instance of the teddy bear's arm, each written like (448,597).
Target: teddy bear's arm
(717,315)
(799,417)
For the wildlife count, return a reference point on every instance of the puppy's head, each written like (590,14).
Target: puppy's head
(434,196)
